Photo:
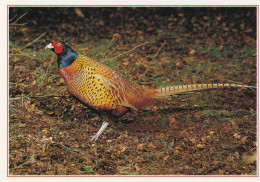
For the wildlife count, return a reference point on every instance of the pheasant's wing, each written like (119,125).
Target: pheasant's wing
(115,86)
(123,91)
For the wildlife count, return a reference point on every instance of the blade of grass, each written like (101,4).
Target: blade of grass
(152,61)
(126,52)
(34,41)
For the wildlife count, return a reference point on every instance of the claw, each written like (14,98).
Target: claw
(100,131)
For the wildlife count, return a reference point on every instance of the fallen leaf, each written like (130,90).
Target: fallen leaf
(172,122)
(201,146)
(137,167)
(166,157)
(79,12)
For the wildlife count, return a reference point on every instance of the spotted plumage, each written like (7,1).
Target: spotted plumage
(105,89)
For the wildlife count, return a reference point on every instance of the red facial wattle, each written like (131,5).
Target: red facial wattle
(58,46)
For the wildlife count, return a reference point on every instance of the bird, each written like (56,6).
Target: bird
(109,92)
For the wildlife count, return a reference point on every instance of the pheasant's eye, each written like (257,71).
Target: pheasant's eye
(58,46)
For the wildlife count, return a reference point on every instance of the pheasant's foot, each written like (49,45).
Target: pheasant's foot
(100,131)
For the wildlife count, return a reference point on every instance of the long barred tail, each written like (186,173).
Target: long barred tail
(168,91)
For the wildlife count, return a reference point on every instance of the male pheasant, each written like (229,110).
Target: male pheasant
(107,91)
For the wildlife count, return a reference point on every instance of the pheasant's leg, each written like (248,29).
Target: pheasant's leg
(100,131)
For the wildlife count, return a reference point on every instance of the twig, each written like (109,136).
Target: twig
(31,97)
(22,99)
(107,48)
(152,61)
(47,71)
(111,52)
(12,24)
(60,145)
(126,51)
(20,24)
(27,162)
(243,110)
(35,40)
(66,39)
(42,83)
(21,54)
(122,23)
(68,148)
(160,73)
(13,18)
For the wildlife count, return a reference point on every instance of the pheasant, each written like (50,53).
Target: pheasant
(107,91)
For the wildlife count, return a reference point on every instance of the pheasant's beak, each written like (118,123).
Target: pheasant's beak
(49,46)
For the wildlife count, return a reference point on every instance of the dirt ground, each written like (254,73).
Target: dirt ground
(202,133)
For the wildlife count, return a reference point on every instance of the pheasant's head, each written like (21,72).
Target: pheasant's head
(57,46)
(66,55)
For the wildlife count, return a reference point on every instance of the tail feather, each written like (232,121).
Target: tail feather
(168,91)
